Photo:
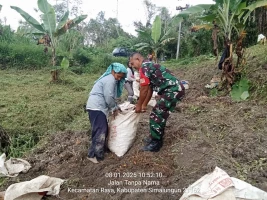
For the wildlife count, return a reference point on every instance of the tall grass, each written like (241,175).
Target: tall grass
(31,107)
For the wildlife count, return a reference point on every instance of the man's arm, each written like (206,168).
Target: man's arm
(148,97)
(144,90)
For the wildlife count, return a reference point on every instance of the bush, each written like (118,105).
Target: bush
(99,63)
(20,52)
(82,57)
(23,56)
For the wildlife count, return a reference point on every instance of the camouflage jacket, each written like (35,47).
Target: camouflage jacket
(161,79)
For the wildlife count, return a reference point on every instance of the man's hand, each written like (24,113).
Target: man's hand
(138,108)
(144,108)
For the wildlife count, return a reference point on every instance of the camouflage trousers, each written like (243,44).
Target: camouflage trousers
(161,111)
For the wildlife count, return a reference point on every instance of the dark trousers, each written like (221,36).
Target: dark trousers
(99,126)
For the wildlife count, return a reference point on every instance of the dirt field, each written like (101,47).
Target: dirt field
(202,133)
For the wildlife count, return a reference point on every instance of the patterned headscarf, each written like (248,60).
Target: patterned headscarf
(118,68)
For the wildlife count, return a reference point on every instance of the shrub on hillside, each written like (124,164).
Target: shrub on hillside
(22,56)
(82,56)
(98,63)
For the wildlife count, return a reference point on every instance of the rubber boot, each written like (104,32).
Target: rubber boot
(147,140)
(153,146)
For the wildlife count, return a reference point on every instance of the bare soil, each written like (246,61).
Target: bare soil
(202,133)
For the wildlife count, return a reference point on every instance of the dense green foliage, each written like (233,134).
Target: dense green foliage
(88,46)
(20,52)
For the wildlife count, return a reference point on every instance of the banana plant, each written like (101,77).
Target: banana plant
(230,16)
(155,42)
(48,27)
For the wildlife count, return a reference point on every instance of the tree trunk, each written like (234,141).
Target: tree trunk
(53,56)
(54,72)
(228,76)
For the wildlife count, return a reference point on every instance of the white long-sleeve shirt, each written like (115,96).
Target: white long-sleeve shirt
(130,75)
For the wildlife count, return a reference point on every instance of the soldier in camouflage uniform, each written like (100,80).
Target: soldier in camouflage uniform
(154,77)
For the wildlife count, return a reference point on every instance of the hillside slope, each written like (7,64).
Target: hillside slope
(202,133)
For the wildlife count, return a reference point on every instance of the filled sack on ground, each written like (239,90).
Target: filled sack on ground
(122,129)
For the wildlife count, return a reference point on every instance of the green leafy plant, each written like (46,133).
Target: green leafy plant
(240,90)
(64,66)
(231,16)
(213,92)
(155,41)
(49,28)
(22,55)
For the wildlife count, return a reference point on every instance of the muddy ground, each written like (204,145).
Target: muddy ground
(202,133)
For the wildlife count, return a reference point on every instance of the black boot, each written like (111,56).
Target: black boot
(153,146)
(147,140)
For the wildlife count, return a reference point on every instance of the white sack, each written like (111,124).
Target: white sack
(218,185)
(28,190)
(153,100)
(13,166)
(260,37)
(136,85)
(122,129)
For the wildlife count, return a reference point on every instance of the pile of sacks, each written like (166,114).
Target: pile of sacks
(34,189)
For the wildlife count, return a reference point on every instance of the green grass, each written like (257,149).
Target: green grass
(32,107)
(189,62)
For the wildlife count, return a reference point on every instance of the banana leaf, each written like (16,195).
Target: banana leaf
(166,35)
(49,16)
(32,31)
(255,5)
(166,41)
(176,20)
(29,18)
(141,45)
(252,7)
(208,18)
(63,20)
(65,63)
(195,9)
(77,20)
(144,34)
(156,29)
(241,6)
(69,24)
